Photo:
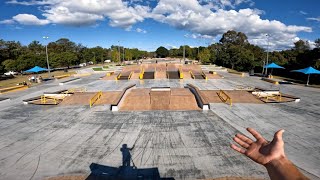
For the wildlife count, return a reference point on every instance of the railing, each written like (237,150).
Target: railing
(180,73)
(141,73)
(118,77)
(109,73)
(277,96)
(204,75)
(129,77)
(44,99)
(95,98)
(192,75)
(224,97)
(73,90)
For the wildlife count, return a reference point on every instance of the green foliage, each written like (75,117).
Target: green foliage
(162,52)
(115,55)
(204,56)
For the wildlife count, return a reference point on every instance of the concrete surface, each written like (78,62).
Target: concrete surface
(44,141)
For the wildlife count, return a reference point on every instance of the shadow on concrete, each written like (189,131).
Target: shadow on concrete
(124,172)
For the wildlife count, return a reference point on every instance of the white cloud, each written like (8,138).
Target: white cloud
(303,13)
(7,21)
(141,31)
(28,3)
(314,19)
(205,19)
(29,19)
(199,19)
(85,12)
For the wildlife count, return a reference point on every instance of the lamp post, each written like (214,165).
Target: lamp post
(184,54)
(119,51)
(46,38)
(267,54)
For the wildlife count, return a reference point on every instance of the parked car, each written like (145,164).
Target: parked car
(11,73)
(83,64)
(90,62)
(107,61)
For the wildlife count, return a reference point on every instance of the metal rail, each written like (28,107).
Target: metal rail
(226,97)
(95,98)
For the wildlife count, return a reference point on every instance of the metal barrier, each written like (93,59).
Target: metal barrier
(227,98)
(95,98)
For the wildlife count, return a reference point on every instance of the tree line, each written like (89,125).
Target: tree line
(62,53)
(235,52)
(232,51)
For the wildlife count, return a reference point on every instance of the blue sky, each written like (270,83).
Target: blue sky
(150,24)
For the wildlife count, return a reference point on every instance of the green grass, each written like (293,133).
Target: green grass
(105,67)
(98,69)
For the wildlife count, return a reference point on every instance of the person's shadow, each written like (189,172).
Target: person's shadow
(124,172)
(126,155)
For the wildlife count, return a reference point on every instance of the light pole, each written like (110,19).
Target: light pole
(46,37)
(119,51)
(184,54)
(267,55)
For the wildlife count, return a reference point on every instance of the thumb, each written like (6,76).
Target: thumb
(278,135)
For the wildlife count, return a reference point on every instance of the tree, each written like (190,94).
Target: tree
(115,55)
(301,46)
(317,43)
(204,56)
(10,65)
(162,52)
(235,38)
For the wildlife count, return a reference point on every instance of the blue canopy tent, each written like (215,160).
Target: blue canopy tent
(36,69)
(308,70)
(273,66)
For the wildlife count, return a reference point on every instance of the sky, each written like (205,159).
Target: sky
(146,25)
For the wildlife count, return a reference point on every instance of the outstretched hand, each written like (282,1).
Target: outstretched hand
(260,151)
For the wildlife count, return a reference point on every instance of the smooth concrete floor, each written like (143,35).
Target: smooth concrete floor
(46,141)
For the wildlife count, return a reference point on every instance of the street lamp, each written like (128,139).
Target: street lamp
(46,38)
(119,51)
(267,54)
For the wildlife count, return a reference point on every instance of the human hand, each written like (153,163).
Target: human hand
(260,151)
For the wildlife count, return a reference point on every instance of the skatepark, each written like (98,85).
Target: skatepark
(180,119)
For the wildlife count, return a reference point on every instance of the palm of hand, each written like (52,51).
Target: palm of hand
(260,151)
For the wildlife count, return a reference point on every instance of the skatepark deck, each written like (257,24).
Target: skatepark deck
(146,100)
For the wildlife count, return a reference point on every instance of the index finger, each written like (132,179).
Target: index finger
(255,133)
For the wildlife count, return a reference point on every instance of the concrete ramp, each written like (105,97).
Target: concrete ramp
(159,99)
